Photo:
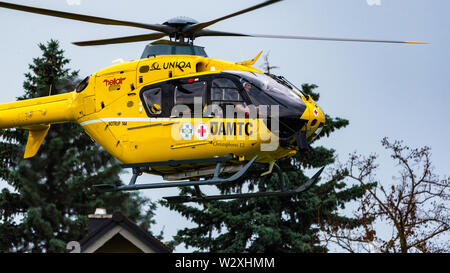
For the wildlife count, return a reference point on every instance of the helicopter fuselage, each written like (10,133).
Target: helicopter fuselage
(128,109)
(176,112)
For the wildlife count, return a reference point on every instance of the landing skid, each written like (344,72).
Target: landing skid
(215,180)
(199,197)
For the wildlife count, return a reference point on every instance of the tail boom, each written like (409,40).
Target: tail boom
(34,113)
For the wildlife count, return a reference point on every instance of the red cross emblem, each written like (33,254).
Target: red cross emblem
(316,113)
(201,131)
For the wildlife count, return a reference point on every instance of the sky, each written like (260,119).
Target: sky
(384,90)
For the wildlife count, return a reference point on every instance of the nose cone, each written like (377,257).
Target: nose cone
(316,121)
(301,129)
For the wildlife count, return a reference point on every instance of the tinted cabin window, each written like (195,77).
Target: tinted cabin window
(83,85)
(152,98)
(185,93)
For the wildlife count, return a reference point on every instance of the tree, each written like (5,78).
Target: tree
(266,65)
(415,207)
(53,191)
(275,224)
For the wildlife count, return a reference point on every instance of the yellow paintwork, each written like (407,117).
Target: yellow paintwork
(252,61)
(112,114)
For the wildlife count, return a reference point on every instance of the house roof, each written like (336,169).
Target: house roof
(120,224)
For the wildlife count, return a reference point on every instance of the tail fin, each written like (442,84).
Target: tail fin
(252,61)
(36,115)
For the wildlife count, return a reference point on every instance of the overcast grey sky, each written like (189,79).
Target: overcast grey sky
(398,91)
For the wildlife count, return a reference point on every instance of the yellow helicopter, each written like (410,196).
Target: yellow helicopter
(177,113)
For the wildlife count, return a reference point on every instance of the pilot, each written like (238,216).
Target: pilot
(243,108)
(247,86)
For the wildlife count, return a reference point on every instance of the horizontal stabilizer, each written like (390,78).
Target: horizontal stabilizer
(35,139)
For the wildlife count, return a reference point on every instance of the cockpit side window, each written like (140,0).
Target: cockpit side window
(185,93)
(226,94)
(153,100)
(224,91)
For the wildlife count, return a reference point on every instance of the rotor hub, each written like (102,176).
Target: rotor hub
(180,20)
(179,24)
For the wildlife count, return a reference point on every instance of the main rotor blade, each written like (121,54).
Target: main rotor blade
(194,28)
(332,39)
(121,40)
(86,18)
(206,32)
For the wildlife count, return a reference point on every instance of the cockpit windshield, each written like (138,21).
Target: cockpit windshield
(265,90)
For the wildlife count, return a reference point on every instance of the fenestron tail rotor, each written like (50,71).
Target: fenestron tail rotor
(182,29)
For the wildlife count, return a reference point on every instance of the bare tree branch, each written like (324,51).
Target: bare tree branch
(415,206)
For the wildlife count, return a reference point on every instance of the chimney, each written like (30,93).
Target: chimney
(98,218)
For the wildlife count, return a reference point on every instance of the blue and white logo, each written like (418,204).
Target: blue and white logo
(187,131)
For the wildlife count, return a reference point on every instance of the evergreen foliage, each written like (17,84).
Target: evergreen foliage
(52,192)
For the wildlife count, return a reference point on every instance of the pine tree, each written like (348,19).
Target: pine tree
(275,224)
(53,191)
